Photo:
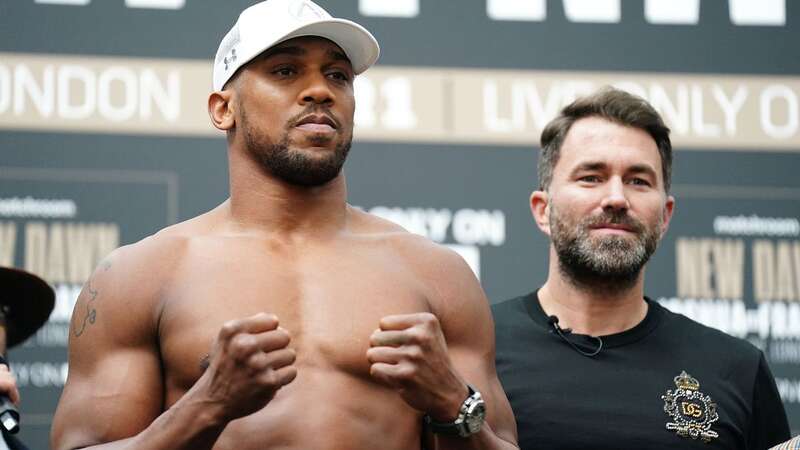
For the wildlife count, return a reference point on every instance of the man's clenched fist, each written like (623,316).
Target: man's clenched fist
(409,353)
(249,362)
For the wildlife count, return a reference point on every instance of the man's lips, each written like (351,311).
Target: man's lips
(317,123)
(614,227)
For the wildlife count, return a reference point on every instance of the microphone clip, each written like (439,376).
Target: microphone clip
(562,332)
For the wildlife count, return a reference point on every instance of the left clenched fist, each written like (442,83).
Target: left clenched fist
(409,353)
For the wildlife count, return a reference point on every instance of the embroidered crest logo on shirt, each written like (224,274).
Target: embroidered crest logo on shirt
(692,412)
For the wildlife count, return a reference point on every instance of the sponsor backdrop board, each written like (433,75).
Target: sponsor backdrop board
(104,139)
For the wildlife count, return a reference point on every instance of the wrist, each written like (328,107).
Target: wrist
(471,416)
(211,415)
(450,406)
(203,410)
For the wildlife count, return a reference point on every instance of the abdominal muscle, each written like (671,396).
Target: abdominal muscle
(327,409)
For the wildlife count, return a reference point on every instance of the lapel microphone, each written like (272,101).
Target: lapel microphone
(553,322)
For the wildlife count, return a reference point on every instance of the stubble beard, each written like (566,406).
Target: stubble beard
(291,165)
(607,263)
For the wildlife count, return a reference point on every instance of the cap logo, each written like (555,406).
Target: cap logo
(304,10)
(230,59)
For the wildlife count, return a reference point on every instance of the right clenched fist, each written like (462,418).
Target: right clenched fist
(249,362)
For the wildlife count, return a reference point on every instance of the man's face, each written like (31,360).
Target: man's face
(295,110)
(607,205)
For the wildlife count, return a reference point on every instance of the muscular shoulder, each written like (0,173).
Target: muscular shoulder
(411,249)
(451,286)
(147,262)
(155,257)
(127,287)
(431,259)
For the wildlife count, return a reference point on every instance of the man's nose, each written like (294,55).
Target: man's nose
(615,198)
(317,91)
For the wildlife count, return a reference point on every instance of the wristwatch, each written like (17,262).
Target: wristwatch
(470,417)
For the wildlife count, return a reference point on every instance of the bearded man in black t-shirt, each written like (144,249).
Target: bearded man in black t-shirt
(587,361)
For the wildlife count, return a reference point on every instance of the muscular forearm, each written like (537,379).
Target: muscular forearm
(187,425)
(249,362)
(486,439)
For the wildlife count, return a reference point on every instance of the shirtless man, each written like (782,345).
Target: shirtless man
(283,318)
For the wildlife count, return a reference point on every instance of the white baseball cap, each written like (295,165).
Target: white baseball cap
(271,22)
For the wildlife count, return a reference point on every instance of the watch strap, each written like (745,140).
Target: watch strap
(457,427)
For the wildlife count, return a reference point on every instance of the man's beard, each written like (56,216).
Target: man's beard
(293,166)
(608,262)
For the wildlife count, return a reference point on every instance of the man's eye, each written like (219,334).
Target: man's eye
(590,178)
(284,71)
(640,182)
(339,76)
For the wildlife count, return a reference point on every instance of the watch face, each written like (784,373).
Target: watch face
(475,416)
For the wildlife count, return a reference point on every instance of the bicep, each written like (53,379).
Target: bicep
(475,363)
(114,387)
(114,397)
(469,330)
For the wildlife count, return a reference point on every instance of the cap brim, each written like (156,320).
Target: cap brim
(27,300)
(358,44)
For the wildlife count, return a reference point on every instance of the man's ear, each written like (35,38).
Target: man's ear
(540,210)
(221,109)
(669,207)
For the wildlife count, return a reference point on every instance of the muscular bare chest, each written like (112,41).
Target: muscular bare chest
(329,298)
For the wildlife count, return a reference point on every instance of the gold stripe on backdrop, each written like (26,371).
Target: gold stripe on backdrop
(87,94)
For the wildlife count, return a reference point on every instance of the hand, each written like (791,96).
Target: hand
(249,363)
(8,385)
(409,354)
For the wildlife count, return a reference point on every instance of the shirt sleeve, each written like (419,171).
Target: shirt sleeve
(769,425)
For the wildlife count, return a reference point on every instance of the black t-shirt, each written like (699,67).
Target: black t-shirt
(12,442)
(564,400)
